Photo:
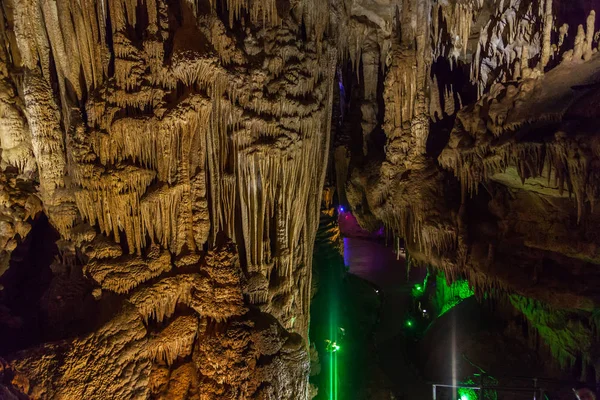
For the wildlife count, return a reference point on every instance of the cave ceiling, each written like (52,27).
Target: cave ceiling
(178,151)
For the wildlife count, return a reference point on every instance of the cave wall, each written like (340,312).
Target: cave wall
(179,150)
(489,168)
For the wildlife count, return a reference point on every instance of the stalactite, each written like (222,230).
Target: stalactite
(159,215)
(506,109)
(49,151)
(159,300)
(123,274)
(527,26)
(175,341)
(31,37)
(457,19)
(165,148)
(15,138)
(564,343)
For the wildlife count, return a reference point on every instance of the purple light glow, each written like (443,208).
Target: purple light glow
(346,253)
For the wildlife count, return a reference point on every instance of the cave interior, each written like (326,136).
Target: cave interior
(299,199)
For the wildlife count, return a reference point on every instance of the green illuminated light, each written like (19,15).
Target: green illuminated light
(418,290)
(472,393)
(449,296)
(467,394)
(409,323)
(331,347)
(333,376)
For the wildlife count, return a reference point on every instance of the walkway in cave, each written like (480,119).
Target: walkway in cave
(368,257)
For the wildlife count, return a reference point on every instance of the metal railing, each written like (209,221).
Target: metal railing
(533,393)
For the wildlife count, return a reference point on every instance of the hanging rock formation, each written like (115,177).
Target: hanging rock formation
(179,151)
(501,191)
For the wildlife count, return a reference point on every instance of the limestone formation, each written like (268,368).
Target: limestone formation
(156,134)
(523,155)
(179,150)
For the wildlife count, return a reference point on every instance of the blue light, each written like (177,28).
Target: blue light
(341,209)
(346,253)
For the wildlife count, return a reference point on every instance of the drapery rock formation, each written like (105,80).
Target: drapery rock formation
(179,150)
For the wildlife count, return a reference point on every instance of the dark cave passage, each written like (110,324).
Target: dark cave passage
(25,283)
(407,329)
(369,258)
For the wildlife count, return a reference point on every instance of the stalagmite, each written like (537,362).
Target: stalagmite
(62,374)
(546,39)
(563,32)
(16,206)
(580,44)
(482,161)
(589,35)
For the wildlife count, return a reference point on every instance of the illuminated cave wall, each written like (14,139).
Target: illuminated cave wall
(178,150)
(489,165)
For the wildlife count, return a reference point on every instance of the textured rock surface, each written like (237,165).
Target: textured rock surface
(179,150)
